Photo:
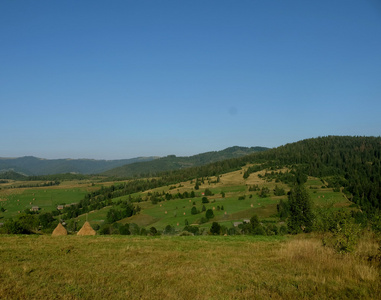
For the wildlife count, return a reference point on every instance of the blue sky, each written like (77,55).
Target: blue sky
(121,79)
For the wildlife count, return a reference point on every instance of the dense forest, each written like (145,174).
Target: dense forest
(350,162)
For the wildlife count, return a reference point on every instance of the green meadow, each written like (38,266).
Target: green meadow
(46,198)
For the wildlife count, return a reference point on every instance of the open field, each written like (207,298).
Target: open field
(46,198)
(203,267)
(174,212)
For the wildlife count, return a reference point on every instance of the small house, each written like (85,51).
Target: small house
(34,208)
(60,207)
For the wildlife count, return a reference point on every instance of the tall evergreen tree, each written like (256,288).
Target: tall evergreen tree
(301,215)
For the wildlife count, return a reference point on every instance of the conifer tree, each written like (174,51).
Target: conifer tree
(301,215)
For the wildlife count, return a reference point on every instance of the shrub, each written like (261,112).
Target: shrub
(209,214)
(153,231)
(344,232)
(203,220)
(124,229)
(208,192)
(169,230)
(215,229)
(205,200)
(193,229)
(14,227)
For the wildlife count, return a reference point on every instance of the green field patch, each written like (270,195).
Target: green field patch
(141,219)
(96,216)
(327,197)
(178,211)
(47,199)
(314,182)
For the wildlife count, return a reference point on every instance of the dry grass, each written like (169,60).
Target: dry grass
(99,267)
(316,260)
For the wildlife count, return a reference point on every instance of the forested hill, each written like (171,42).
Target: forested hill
(30,165)
(351,163)
(171,162)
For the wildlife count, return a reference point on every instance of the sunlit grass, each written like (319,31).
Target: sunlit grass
(203,267)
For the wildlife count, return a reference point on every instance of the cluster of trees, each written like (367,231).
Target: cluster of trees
(44,184)
(27,223)
(159,197)
(126,210)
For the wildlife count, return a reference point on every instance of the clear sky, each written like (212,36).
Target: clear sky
(121,79)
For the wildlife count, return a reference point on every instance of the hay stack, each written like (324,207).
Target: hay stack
(86,230)
(60,230)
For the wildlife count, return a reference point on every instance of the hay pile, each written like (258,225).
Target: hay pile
(60,230)
(86,230)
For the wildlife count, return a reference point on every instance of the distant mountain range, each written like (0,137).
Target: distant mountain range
(30,165)
(172,162)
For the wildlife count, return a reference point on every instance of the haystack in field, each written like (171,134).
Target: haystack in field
(86,230)
(60,230)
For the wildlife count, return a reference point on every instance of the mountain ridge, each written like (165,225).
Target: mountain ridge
(34,166)
(31,165)
(172,162)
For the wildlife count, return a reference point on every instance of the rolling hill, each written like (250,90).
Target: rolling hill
(172,162)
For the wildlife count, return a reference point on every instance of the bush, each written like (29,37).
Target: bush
(208,192)
(215,229)
(194,211)
(169,230)
(124,229)
(209,214)
(203,220)
(14,227)
(193,229)
(105,229)
(153,231)
(344,232)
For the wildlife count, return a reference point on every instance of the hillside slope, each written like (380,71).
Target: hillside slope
(171,162)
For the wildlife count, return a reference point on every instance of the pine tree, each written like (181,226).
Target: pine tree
(301,215)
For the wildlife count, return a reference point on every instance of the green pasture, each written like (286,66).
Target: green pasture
(322,196)
(46,199)
(176,212)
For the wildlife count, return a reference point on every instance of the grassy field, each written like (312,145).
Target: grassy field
(175,212)
(202,267)
(17,200)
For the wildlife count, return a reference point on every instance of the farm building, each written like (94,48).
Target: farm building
(236,224)
(34,208)
(60,207)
